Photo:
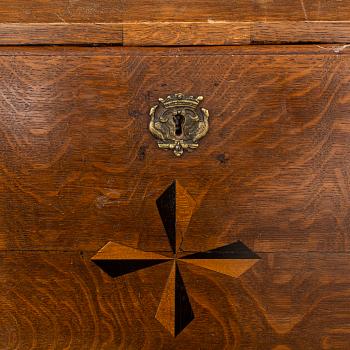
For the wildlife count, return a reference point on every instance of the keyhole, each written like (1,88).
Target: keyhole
(178,120)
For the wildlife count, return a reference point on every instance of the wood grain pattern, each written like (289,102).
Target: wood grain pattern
(230,267)
(175,33)
(276,154)
(166,308)
(116,251)
(60,11)
(157,22)
(56,300)
(185,207)
(79,168)
(240,10)
(112,11)
(60,33)
(233,33)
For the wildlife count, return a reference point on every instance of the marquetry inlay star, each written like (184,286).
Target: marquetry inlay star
(175,207)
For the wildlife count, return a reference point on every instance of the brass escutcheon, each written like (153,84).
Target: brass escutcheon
(178,122)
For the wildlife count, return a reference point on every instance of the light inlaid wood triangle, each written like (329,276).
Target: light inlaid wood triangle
(166,309)
(185,206)
(116,251)
(175,207)
(230,267)
(118,260)
(175,311)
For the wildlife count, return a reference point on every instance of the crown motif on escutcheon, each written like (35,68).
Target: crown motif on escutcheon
(179,100)
(175,311)
(178,123)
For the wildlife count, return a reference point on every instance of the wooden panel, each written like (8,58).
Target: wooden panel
(55,301)
(60,33)
(60,11)
(174,33)
(270,170)
(273,170)
(241,10)
(65,11)
(286,301)
(42,141)
(233,33)
(180,22)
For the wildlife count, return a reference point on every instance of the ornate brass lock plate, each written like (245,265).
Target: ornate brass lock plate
(178,122)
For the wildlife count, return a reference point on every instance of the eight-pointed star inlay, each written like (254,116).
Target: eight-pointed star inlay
(175,207)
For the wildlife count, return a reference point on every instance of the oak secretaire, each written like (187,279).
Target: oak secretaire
(174,175)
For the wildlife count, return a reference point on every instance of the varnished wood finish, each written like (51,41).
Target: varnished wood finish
(233,268)
(79,169)
(240,10)
(233,33)
(55,300)
(60,33)
(278,150)
(118,251)
(60,11)
(174,33)
(178,22)
(185,207)
(166,308)
(45,11)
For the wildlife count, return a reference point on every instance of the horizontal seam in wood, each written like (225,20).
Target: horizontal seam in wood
(164,251)
(148,33)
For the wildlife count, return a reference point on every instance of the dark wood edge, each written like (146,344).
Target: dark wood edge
(248,50)
(175,33)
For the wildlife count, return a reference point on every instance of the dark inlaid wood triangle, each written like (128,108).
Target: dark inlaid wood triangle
(116,268)
(175,311)
(183,309)
(117,259)
(176,208)
(236,250)
(166,205)
(233,259)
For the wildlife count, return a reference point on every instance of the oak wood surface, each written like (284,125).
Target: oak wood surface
(241,10)
(276,153)
(180,22)
(60,33)
(112,11)
(60,11)
(79,168)
(233,33)
(151,33)
(56,300)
